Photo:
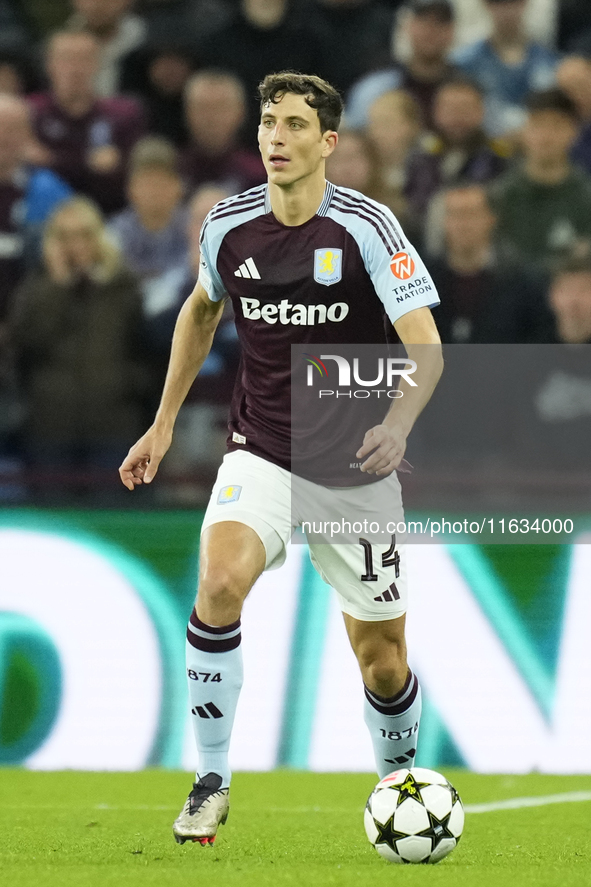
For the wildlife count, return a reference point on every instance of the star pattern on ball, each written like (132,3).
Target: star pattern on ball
(387,834)
(438,830)
(410,788)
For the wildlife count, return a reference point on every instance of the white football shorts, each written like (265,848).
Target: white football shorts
(369,578)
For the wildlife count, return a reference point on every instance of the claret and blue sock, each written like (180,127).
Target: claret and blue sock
(394,725)
(214,670)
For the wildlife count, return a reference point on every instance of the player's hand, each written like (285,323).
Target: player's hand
(141,463)
(385,447)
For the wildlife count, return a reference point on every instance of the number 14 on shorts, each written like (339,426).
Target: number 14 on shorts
(390,558)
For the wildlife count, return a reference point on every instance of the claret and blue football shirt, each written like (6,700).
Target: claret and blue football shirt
(343,277)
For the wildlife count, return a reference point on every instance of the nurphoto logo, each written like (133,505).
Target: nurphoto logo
(386,372)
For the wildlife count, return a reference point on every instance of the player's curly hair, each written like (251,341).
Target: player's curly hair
(319,95)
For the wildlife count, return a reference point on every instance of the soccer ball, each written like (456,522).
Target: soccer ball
(414,816)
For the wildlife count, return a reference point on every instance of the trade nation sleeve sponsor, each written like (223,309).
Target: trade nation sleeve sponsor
(397,272)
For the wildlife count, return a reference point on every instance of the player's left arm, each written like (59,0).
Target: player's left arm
(407,292)
(387,442)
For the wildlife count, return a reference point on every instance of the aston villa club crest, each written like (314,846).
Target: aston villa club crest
(328,266)
(229,494)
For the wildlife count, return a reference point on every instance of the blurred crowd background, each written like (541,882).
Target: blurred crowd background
(122,123)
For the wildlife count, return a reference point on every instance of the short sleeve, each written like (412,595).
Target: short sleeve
(397,272)
(209,277)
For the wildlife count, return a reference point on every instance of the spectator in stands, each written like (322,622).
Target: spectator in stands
(394,125)
(200,431)
(570,301)
(354,163)
(85,139)
(482,299)
(12,25)
(169,290)
(158,74)
(17,75)
(508,66)
(76,329)
(42,18)
(457,149)
(551,420)
(28,194)
(172,20)
(574,78)
(151,231)
(473,21)
(118,32)
(574,26)
(216,107)
(263,36)
(544,205)
(431,32)
(547,396)
(356,38)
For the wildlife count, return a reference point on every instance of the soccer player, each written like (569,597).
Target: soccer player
(303,262)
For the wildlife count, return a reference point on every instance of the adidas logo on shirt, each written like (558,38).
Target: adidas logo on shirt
(249,270)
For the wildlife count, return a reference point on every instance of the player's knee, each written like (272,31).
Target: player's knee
(384,669)
(222,588)
(382,674)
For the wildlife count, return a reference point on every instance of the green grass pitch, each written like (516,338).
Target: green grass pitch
(114,830)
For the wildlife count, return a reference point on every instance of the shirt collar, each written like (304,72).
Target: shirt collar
(322,209)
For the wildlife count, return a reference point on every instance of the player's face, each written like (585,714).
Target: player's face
(291,143)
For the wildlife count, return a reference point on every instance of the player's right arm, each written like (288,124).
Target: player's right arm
(191,343)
